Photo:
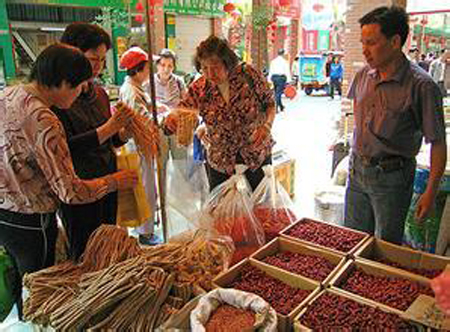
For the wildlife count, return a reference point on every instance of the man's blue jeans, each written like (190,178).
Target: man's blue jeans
(377,202)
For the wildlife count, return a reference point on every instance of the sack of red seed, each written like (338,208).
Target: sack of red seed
(272,205)
(229,211)
(233,310)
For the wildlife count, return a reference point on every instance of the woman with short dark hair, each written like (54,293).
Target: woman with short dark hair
(237,108)
(36,170)
(93,134)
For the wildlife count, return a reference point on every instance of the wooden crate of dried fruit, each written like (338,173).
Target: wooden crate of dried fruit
(338,239)
(403,258)
(285,292)
(334,310)
(314,263)
(385,287)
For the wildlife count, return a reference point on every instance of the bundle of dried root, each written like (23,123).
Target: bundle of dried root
(195,261)
(145,134)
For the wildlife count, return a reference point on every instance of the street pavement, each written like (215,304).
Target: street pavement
(306,130)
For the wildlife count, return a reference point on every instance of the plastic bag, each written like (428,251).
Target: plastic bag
(187,189)
(441,288)
(272,205)
(202,256)
(265,315)
(229,211)
(133,207)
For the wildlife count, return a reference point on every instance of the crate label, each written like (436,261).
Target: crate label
(424,310)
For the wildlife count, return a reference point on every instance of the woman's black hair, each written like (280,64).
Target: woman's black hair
(136,69)
(86,36)
(61,62)
(215,46)
(392,20)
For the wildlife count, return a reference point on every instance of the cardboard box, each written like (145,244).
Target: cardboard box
(377,270)
(298,326)
(284,168)
(354,249)
(282,244)
(284,322)
(376,248)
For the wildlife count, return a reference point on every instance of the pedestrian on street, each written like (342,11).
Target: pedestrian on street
(279,74)
(437,71)
(237,108)
(396,105)
(336,74)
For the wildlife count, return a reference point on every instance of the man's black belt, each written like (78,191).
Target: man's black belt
(386,163)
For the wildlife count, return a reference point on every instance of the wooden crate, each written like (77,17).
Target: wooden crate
(350,253)
(376,248)
(282,244)
(377,270)
(284,168)
(298,326)
(284,321)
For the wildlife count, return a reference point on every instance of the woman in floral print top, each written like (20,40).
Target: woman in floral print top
(237,109)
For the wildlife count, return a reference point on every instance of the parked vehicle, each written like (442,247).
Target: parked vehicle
(312,73)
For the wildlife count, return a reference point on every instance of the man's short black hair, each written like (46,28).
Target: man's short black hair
(392,20)
(219,47)
(281,51)
(58,63)
(86,36)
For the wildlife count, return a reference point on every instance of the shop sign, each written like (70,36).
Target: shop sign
(195,7)
(323,43)
(310,39)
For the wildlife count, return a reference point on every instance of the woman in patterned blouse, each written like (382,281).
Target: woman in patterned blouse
(36,169)
(237,109)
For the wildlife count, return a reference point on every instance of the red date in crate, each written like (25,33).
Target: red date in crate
(325,235)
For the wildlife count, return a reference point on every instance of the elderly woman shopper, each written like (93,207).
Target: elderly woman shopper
(136,62)
(92,134)
(36,170)
(237,109)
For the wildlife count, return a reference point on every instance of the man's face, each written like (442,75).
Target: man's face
(378,50)
(97,58)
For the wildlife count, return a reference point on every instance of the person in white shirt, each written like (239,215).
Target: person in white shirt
(137,63)
(437,71)
(279,74)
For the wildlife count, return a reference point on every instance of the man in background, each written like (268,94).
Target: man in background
(279,74)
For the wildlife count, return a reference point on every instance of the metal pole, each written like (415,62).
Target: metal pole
(159,164)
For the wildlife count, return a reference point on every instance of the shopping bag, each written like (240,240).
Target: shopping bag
(265,316)
(272,205)
(229,211)
(133,206)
